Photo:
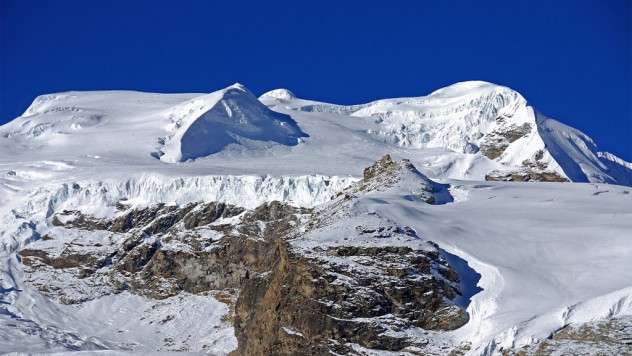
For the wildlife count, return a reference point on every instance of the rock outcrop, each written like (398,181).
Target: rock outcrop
(318,304)
(386,173)
(293,297)
(344,293)
(525,176)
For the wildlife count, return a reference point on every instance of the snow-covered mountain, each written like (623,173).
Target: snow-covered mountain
(126,211)
(478,119)
(176,130)
(472,128)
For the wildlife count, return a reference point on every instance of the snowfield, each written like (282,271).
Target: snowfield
(557,257)
(533,257)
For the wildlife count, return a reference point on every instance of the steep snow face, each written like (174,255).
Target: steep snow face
(456,117)
(479,118)
(145,126)
(109,123)
(577,155)
(210,123)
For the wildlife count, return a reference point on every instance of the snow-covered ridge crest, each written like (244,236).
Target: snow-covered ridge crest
(99,198)
(278,94)
(42,103)
(480,128)
(172,127)
(208,124)
(480,118)
(455,117)
(463,117)
(458,123)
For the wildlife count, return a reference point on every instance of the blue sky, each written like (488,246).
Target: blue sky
(570,59)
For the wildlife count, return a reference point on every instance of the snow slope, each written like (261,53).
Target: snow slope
(172,127)
(464,131)
(31,322)
(548,254)
(470,116)
(210,123)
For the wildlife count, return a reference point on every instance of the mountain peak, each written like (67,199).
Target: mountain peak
(279,94)
(230,117)
(386,174)
(473,88)
(237,87)
(467,130)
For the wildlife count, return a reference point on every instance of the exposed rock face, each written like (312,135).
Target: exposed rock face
(293,298)
(498,140)
(383,166)
(535,169)
(156,218)
(495,144)
(161,252)
(314,305)
(386,173)
(601,337)
(525,176)
(343,294)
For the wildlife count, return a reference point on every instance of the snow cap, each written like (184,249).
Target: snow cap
(279,94)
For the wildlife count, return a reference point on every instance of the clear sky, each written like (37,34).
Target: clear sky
(570,59)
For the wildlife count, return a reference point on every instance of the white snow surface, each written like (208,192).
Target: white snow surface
(30,322)
(548,254)
(231,132)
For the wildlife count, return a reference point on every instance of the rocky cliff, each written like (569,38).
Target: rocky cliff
(289,297)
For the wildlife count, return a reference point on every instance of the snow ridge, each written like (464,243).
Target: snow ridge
(207,124)
(473,117)
(490,127)
(446,118)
